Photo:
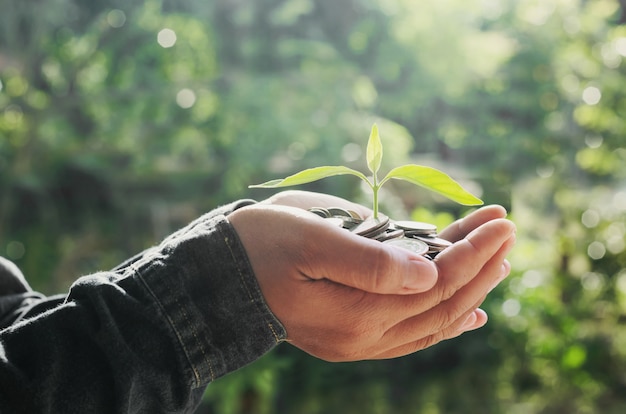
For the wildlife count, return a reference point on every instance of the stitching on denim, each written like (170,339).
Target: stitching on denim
(198,342)
(242,279)
(276,336)
(197,376)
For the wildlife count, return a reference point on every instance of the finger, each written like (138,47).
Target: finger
(458,265)
(449,318)
(314,249)
(461,228)
(475,320)
(464,259)
(479,320)
(457,268)
(369,265)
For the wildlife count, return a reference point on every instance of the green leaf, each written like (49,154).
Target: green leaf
(434,180)
(374,150)
(310,175)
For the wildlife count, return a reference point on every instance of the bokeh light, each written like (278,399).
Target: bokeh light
(166,38)
(116,18)
(592,95)
(186,98)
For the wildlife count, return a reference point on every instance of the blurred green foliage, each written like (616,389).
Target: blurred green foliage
(121,121)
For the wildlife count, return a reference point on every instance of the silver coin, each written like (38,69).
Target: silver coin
(415,226)
(338,211)
(435,241)
(372,227)
(413,245)
(320,211)
(375,232)
(355,215)
(390,234)
(350,223)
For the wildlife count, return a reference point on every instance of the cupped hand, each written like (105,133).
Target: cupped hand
(307,199)
(467,272)
(344,297)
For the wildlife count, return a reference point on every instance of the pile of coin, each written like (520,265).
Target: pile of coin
(418,237)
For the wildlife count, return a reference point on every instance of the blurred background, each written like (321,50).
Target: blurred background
(122,121)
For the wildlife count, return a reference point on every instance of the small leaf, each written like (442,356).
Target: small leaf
(374,150)
(434,180)
(310,175)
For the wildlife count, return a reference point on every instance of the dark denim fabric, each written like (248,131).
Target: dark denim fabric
(146,337)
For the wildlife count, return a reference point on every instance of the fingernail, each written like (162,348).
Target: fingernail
(422,275)
(469,322)
(504,272)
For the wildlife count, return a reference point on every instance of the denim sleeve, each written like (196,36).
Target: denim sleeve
(146,337)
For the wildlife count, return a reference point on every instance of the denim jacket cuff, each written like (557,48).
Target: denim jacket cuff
(205,286)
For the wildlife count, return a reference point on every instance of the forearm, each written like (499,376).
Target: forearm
(145,338)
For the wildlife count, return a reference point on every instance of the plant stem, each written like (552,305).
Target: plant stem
(375,189)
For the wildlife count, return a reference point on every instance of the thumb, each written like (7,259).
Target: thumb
(285,240)
(369,265)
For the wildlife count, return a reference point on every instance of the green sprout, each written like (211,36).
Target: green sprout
(427,177)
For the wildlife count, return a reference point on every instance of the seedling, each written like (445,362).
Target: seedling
(427,177)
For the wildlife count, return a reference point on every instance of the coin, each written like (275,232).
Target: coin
(350,222)
(416,227)
(416,236)
(372,227)
(390,234)
(338,211)
(355,215)
(435,242)
(320,211)
(413,245)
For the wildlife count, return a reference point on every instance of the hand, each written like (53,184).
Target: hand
(467,270)
(306,199)
(344,297)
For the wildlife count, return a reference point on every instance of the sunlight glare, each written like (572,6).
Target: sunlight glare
(116,18)
(592,281)
(594,141)
(592,95)
(166,38)
(185,98)
(590,218)
(296,151)
(351,152)
(532,278)
(620,46)
(511,307)
(620,283)
(545,171)
(596,250)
